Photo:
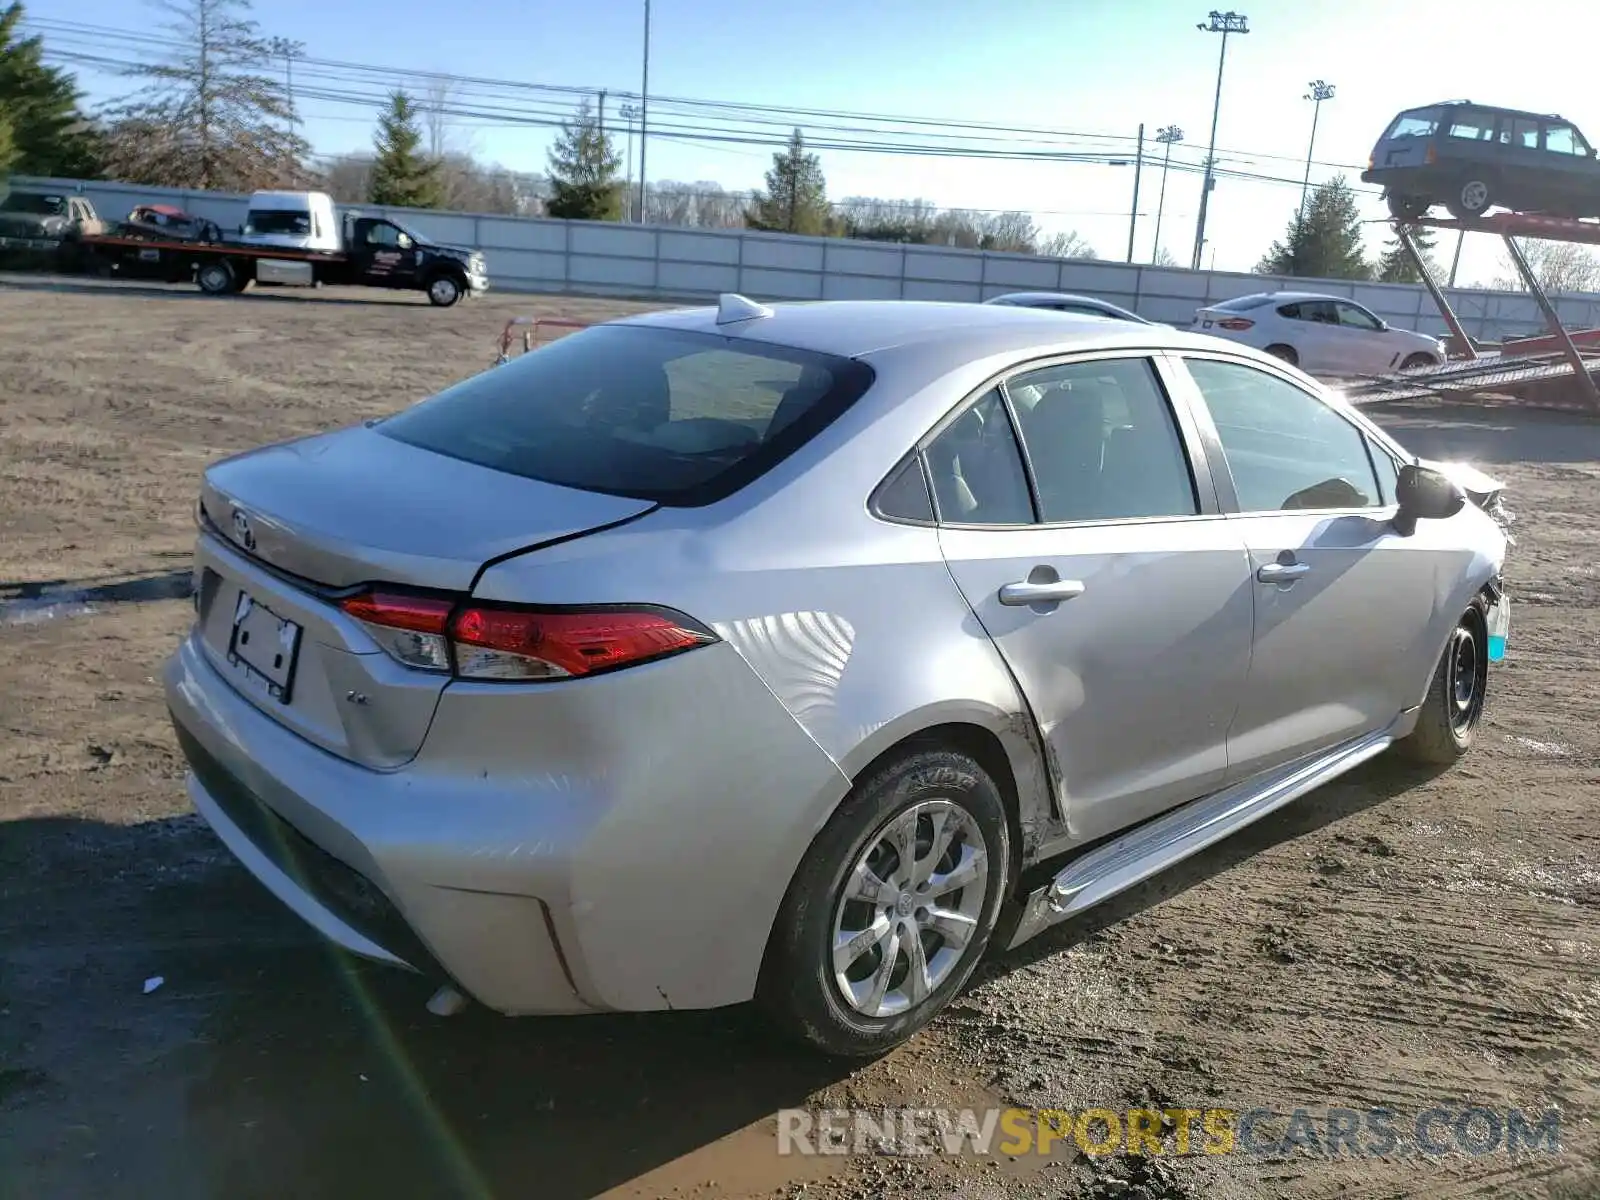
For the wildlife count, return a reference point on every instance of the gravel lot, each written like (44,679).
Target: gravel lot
(1396,939)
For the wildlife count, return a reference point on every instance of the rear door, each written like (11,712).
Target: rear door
(1091,551)
(1312,328)
(1342,602)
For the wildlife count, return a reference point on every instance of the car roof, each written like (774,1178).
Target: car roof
(856,328)
(1494,108)
(1291,297)
(1025,297)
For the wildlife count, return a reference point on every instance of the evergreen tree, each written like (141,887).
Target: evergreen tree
(47,133)
(402,175)
(796,199)
(583,171)
(1395,266)
(8,145)
(211,116)
(1326,243)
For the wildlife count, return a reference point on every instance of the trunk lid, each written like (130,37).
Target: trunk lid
(347,508)
(355,507)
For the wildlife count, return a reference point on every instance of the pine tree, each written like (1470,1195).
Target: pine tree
(48,135)
(402,176)
(1395,266)
(212,117)
(796,199)
(1324,244)
(8,144)
(583,171)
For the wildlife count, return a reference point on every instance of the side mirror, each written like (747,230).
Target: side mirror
(1424,494)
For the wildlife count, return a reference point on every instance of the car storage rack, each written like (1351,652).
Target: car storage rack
(1520,370)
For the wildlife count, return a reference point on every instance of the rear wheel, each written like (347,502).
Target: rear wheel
(891,908)
(1406,208)
(1454,705)
(216,278)
(1471,198)
(1287,353)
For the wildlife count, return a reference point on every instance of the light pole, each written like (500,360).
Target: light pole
(1320,90)
(1166,137)
(629,112)
(644,109)
(1223,23)
(284,48)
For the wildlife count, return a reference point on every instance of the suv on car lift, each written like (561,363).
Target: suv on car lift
(1471,157)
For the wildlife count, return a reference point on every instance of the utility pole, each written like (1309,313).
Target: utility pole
(1223,23)
(644,109)
(601,113)
(1320,91)
(1138,165)
(287,50)
(629,112)
(1167,137)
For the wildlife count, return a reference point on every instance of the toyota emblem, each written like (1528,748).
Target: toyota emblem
(242,531)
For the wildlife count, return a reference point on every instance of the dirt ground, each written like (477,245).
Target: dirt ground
(1396,939)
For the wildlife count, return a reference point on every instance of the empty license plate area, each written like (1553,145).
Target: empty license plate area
(264,646)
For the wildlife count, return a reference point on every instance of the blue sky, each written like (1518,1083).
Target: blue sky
(1093,67)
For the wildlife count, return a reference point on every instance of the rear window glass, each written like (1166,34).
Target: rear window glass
(278,222)
(672,416)
(1414,124)
(1243,303)
(1474,126)
(32,202)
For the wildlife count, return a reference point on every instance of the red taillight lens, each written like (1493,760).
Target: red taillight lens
(516,643)
(491,641)
(410,628)
(1237,324)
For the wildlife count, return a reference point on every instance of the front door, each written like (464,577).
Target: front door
(1119,600)
(384,255)
(1342,602)
(1372,350)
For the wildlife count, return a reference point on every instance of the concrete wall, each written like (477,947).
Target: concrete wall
(602,258)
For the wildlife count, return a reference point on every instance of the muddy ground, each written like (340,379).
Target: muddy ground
(1396,939)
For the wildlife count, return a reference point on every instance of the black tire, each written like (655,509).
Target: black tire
(216,278)
(1449,718)
(798,988)
(1472,196)
(444,289)
(1287,353)
(1415,361)
(1406,208)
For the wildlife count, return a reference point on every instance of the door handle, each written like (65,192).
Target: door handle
(1277,572)
(1056,590)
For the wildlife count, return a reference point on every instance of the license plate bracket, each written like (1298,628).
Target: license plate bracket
(265,646)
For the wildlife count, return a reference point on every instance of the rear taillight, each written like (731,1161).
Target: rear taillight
(507,642)
(1237,324)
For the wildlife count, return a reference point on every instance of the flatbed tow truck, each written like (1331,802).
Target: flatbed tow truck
(296,239)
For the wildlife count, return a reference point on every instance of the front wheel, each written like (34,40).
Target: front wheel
(216,278)
(444,290)
(891,908)
(1454,705)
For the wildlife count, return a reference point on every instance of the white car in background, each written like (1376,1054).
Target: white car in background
(1322,335)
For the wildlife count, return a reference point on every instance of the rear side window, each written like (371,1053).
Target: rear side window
(1421,123)
(1473,126)
(976,468)
(672,416)
(278,222)
(1242,303)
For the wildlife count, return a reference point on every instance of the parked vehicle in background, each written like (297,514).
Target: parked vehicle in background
(1474,157)
(1322,335)
(1066,302)
(35,222)
(299,239)
(721,653)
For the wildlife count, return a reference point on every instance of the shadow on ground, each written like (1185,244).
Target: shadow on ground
(268,1065)
(1489,433)
(154,290)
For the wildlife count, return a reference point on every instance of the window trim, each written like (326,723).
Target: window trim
(1191,440)
(1222,473)
(875,497)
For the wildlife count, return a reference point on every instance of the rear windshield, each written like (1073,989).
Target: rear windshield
(277,221)
(1422,122)
(672,416)
(1243,303)
(32,202)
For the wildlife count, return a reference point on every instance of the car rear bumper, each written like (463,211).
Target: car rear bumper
(625,851)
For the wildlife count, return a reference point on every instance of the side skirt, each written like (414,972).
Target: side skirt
(1158,844)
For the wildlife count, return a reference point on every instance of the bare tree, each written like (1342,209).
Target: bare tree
(212,115)
(1069,244)
(1558,266)
(437,125)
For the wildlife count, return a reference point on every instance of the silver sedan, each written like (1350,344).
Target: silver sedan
(745,652)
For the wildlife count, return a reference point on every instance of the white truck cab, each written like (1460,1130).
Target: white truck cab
(296,220)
